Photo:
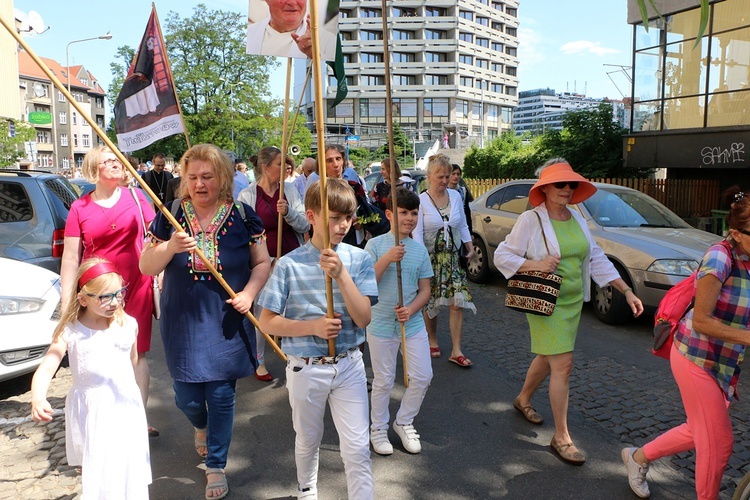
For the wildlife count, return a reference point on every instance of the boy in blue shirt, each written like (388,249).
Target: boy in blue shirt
(294,308)
(384,332)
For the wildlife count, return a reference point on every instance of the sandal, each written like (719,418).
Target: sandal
(221,484)
(566,454)
(435,352)
(528,412)
(461,361)
(200,443)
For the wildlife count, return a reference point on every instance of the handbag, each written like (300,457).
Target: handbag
(534,292)
(156,311)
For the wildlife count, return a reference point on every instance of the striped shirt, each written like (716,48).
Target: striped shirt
(296,290)
(415,266)
(719,358)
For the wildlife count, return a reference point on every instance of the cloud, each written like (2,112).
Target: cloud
(529,42)
(585,46)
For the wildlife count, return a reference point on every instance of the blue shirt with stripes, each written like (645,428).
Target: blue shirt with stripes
(296,290)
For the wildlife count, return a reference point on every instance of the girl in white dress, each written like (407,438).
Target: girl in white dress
(105,429)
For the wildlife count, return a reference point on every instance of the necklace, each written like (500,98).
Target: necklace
(112,223)
(160,185)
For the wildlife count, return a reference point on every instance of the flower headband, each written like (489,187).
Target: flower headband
(739,196)
(95,271)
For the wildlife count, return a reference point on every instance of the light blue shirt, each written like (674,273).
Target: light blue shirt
(296,290)
(415,266)
(240,183)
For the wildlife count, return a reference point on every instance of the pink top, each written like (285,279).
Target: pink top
(121,246)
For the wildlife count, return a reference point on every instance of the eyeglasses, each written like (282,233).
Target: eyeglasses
(107,298)
(561,185)
(744,231)
(111,162)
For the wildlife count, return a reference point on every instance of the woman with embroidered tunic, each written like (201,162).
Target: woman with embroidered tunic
(443,230)
(263,196)
(708,349)
(109,223)
(574,255)
(208,341)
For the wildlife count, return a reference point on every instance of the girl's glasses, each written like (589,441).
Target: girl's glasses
(561,185)
(107,298)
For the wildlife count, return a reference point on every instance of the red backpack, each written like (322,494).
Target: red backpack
(672,308)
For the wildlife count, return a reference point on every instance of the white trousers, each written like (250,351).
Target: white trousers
(384,356)
(344,387)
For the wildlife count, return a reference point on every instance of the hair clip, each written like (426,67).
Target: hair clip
(739,196)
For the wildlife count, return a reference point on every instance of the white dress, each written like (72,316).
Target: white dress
(106,431)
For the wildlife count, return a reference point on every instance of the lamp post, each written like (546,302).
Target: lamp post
(231,105)
(107,36)
(481,113)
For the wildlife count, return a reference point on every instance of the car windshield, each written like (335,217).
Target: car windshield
(626,208)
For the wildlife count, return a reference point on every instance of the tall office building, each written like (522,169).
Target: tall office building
(543,109)
(453,67)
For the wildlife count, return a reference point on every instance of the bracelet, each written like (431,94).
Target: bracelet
(628,289)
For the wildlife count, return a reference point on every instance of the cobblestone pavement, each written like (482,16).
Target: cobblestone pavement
(629,398)
(633,403)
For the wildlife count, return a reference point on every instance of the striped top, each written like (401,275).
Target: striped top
(296,290)
(719,358)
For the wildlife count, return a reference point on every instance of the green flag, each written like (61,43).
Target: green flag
(338,72)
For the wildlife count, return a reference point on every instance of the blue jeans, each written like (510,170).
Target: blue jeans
(209,405)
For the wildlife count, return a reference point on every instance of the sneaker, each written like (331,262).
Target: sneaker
(380,443)
(409,437)
(309,493)
(636,473)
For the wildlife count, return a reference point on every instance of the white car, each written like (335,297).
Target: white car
(29,312)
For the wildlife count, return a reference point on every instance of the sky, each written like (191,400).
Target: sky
(562,45)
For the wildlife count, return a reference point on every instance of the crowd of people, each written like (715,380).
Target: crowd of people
(235,245)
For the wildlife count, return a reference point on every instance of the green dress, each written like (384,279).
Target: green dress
(556,334)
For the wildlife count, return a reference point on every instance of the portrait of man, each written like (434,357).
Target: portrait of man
(282,28)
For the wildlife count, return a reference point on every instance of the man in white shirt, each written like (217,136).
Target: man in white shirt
(308,167)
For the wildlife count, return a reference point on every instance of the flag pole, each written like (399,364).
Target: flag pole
(126,164)
(299,103)
(320,130)
(169,71)
(394,181)
(285,138)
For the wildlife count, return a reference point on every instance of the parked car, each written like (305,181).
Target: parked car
(82,186)
(29,312)
(34,206)
(651,247)
(419,176)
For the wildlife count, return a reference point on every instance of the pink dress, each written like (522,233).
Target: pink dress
(120,245)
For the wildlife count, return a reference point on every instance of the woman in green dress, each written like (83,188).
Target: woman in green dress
(574,255)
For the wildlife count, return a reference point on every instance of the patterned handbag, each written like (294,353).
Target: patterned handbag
(534,292)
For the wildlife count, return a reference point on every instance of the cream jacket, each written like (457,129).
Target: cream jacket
(295,217)
(525,242)
(430,221)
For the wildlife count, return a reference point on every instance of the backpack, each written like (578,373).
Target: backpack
(672,308)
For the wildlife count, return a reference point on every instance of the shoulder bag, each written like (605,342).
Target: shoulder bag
(534,292)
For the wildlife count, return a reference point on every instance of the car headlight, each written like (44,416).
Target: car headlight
(678,267)
(19,305)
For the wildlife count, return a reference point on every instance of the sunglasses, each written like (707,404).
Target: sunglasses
(107,298)
(561,185)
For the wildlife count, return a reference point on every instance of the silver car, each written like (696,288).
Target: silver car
(651,247)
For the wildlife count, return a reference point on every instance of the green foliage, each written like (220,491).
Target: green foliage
(12,148)
(361,156)
(402,147)
(507,156)
(224,94)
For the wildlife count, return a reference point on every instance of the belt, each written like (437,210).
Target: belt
(329,360)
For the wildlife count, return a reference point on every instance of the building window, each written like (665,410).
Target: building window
(346,35)
(63,117)
(347,58)
(435,34)
(497,46)
(75,118)
(465,14)
(497,87)
(371,35)
(404,12)
(511,31)
(510,91)
(511,11)
(64,164)
(466,59)
(78,96)
(466,37)
(434,106)
(435,57)
(370,12)
(404,108)
(498,67)
(403,35)
(483,42)
(345,13)
(483,63)
(498,27)
(462,108)
(100,122)
(491,112)
(435,80)
(404,80)
(368,80)
(511,70)
(368,57)
(476,109)
(85,81)
(64,140)
(42,136)
(371,108)
(511,51)
(99,102)
(75,140)
(403,57)
(483,21)
(86,141)
(434,11)
(498,6)
(466,81)
(60,97)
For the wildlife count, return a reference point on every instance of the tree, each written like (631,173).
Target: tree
(12,148)
(507,157)
(401,145)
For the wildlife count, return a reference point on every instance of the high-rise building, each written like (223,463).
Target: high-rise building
(542,109)
(453,68)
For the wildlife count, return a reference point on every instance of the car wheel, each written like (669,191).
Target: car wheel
(478,269)
(610,305)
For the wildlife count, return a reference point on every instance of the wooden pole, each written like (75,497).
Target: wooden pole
(320,130)
(126,164)
(285,137)
(394,180)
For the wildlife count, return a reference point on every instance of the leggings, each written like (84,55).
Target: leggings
(708,429)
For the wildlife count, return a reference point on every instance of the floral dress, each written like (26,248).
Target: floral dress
(448,285)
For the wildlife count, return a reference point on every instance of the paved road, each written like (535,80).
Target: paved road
(474,444)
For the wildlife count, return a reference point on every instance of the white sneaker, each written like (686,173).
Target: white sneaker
(636,473)
(309,493)
(409,437)
(380,442)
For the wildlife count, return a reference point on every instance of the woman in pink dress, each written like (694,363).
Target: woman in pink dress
(108,223)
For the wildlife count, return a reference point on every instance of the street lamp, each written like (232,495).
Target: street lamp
(481,113)
(108,36)
(231,104)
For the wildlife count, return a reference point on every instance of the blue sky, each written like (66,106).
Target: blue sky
(563,45)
